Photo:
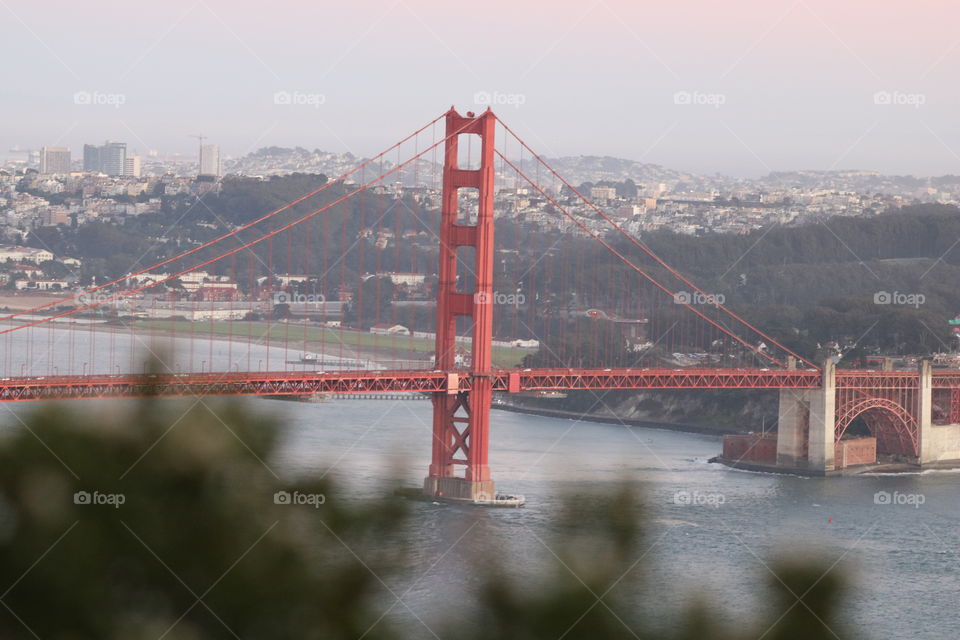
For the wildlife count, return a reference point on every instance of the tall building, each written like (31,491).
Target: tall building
(113,156)
(91,158)
(209,160)
(131,166)
(109,159)
(55,160)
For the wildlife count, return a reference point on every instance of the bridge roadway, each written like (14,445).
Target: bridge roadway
(509,380)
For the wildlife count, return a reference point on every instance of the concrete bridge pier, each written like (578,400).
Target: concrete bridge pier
(807,424)
(939,443)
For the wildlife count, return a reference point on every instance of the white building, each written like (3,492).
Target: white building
(54,160)
(131,166)
(210,160)
(24,254)
(41,285)
(603,193)
(405,279)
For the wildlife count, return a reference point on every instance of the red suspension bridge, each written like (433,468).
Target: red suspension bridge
(389,278)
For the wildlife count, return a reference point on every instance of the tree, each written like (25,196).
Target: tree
(54,269)
(372,303)
(132,525)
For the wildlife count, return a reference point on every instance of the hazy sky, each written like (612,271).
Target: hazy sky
(739,87)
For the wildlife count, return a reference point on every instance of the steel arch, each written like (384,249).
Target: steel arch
(885,419)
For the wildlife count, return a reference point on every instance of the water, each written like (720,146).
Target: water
(901,558)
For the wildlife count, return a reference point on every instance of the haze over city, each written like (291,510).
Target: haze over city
(740,88)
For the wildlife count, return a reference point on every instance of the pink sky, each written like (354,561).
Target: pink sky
(797,80)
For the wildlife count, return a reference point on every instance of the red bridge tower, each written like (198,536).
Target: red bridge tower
(461,419)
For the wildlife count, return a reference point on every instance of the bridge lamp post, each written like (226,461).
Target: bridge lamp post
(84,368)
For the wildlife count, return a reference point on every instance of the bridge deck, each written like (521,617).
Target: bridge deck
(512,380)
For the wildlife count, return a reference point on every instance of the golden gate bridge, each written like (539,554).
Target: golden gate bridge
(606,314)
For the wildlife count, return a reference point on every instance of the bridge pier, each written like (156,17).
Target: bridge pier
(939,443)
(793,427)
(807,426)
(823,422)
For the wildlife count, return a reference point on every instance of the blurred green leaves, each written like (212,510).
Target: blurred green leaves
(198,549)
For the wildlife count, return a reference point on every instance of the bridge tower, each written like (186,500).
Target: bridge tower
(461,419)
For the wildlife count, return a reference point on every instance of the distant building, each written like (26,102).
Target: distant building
(217,293)
(131,166)
(91,158)
(55,160)
(209,161)
(603,193)
(29,270)
(24,254)
(405,279)
(630,210)
(110,158)
(41,285)
(113,157)
(53,216)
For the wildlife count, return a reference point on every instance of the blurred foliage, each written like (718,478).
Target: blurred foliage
(200,548)
(198,534)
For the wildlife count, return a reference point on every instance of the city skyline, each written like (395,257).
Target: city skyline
(751,89)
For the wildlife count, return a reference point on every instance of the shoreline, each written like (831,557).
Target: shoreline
(630,422)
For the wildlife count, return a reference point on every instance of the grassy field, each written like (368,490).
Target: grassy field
(377,346)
